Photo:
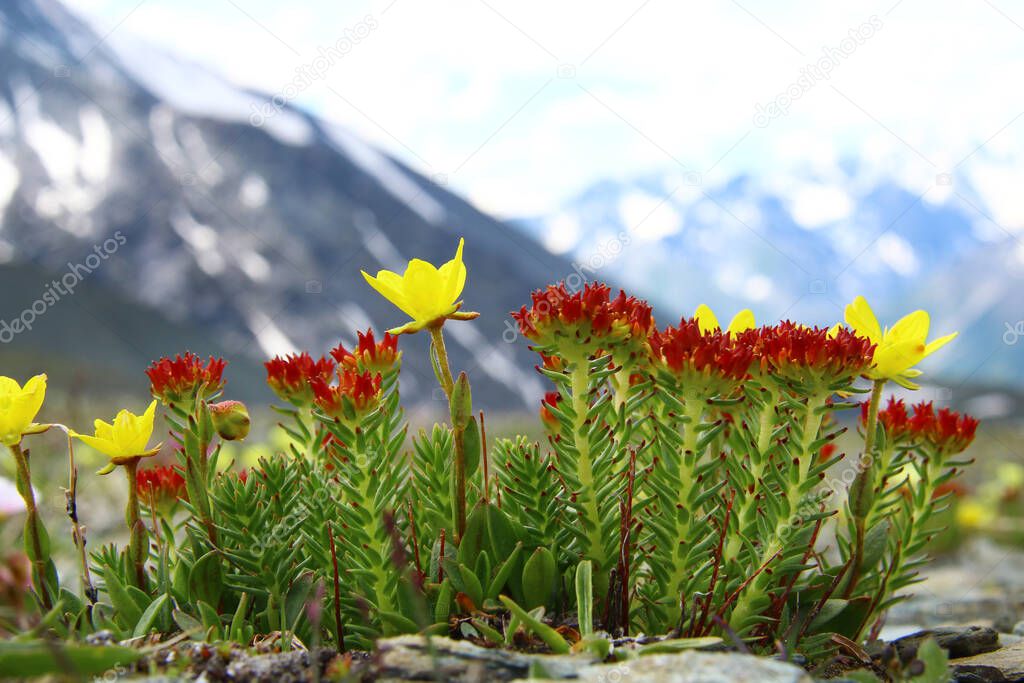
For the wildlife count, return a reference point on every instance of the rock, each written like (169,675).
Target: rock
(1018,629)
(287,667)
(1008,661)
(958,642)
(696,667)
(408,658)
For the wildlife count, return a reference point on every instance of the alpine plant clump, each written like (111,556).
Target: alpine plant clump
(689,484)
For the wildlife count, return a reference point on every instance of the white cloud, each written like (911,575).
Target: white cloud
(437,83)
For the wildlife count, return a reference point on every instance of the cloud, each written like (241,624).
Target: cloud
(666,83)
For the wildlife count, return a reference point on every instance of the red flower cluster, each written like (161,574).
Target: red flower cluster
(713,360)
(162,485)
(583,316)
(177,380)
(809,354)
(551,398)
(291,377)
(945,429)
(370,355)
(356,392)
(894,418)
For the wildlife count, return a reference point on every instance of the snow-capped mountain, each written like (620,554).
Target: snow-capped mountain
(254,234)
(800,244)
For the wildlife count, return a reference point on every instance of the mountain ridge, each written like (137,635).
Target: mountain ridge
(254,234)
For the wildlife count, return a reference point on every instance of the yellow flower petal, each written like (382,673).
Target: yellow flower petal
(453,275)
(706,320)
(937,344)
(425,293)
(862,320)
(911,327)
(19,407)
(742,321)
(389,286)
(34,393)
(126,438)
(423,290)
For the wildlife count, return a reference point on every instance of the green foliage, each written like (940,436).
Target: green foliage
(668,499)
(531,492)
(47,658)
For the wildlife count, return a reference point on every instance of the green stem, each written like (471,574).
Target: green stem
(138,544)
(748,505)
(77,530)
(34,530)
(458,431)
(620,388)
(812,424)
(446,378)
(862,495)
(378,535)
(693,410)
(580,389)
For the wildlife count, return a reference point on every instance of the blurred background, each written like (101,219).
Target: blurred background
(212,175)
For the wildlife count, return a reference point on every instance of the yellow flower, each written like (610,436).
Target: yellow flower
(899,348)
(19,407)
(127,438)
(972,514)
(427,294)
(741,322)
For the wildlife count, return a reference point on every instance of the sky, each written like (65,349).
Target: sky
(520,106)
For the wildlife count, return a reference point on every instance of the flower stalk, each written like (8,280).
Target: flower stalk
(138,544)
(862,490)
(444,376)
(37,543)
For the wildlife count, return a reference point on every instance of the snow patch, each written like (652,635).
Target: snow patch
(202,242)
(377,243)
(271,339)
(254,265)
(253,191)
(355,318)
(391,177)
(499,364)
(9,179)
(194,90)
(56,149)
(97,146)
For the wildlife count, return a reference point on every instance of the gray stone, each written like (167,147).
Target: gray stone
(407,658)
(958,642)
(1009,661)
(1018,629)
(410,658)
(696,667)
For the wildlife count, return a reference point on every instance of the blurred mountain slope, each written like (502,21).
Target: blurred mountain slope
(254,235)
